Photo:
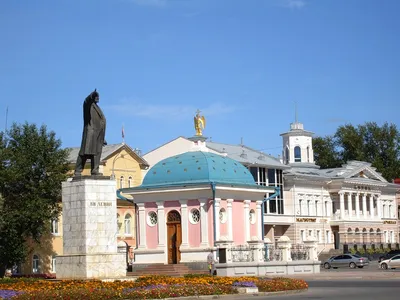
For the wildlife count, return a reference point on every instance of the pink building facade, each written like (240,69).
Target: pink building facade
(190,203)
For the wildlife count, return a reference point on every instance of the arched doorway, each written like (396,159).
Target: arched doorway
(174,236)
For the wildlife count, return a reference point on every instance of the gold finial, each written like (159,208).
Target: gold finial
(199,123)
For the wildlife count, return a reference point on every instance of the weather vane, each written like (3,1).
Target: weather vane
(199,123)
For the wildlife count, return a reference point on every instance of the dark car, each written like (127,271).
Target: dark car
(389,255)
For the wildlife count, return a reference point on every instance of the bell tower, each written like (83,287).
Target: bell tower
(297,145)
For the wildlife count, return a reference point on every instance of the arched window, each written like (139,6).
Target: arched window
(35,264)
(130,181)
(297,154)
(128,223)
(121,182)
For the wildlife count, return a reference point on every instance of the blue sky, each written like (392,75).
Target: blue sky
(244,63)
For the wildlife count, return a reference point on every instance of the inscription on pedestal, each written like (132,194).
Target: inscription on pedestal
(100,204)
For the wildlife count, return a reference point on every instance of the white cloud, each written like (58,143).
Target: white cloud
(293,4)
(156,3)
(168,112)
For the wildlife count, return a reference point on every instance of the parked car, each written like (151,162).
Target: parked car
(388,255)
(346,260)
(390,263)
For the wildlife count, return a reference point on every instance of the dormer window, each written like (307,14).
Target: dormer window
(297,154)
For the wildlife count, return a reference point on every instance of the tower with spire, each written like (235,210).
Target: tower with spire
(297,145)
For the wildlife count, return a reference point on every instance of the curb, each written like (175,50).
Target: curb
(288,292)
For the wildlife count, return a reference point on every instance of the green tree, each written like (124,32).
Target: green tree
(368,142)
(32,168)
(325,154)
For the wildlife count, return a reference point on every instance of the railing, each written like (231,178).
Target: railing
(299,252)
(242,253)
(271,253)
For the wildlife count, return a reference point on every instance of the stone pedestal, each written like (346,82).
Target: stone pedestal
(90,231)
(285,245)
(257,248)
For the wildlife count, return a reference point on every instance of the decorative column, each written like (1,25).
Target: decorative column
(350,203)
(341,194)
(258,217)
(184,223)
(246,211)
(230,219)
(364,208)
(358,205)
(371,205)
(203,222)
(161,224)
(379,205)
(217,204)
(142,226)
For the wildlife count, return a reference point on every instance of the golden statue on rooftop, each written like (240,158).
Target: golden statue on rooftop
(199,123)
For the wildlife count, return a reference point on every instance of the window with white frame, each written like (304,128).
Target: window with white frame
(319,237)
(53,264)
(35,264)
(152,218)
(252,216)
(300,207)
(308,153)
(392,236)
(302,235)
(390,212)
(328,237)
(310,232)
(54,226)
(386,236)
(316,208)
(194,216)
(121,182)
(130,182)
(297,154)
(128,222)
(384,211)
(308,207)
(326,208)
(222,215)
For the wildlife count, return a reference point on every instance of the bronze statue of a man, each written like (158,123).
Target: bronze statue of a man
(94,130)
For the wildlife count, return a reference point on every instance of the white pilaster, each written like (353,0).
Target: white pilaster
(364,208)
(217,204)
(259,220)
(161,224)
(230,219)
(203,222)
(358,205)
(371,205)
(184,223)
(246,211)
(341,195)
(142,226)
(379,205)
(350,203)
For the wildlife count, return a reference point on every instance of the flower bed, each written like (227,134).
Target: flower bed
(146,287)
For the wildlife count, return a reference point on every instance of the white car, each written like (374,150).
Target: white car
(391,263)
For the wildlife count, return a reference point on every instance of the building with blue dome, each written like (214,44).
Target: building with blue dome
(190,203)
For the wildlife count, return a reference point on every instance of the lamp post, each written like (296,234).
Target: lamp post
(113,164)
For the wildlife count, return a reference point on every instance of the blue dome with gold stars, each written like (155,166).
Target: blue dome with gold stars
(197,167)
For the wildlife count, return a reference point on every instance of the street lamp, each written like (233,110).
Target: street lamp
(113,164)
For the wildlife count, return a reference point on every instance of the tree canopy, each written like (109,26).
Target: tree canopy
(33,165)
(379,145)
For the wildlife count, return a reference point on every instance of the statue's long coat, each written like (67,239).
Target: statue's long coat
(94,128)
